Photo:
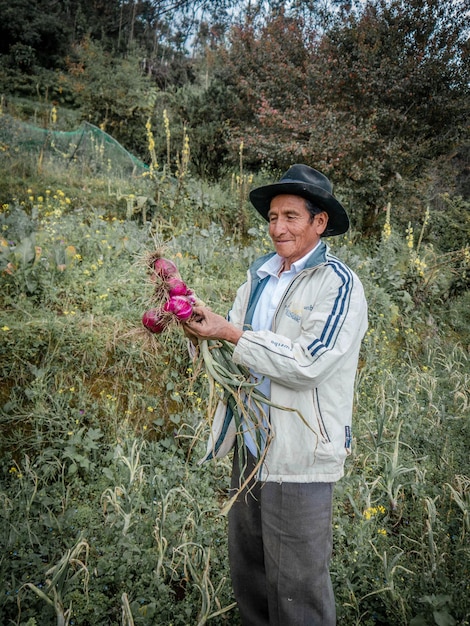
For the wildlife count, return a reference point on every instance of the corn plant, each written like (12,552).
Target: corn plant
(390,567)
(385,413)
(127,618)
(166,504)
(196,561)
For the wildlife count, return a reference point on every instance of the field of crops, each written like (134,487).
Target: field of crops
(106,517)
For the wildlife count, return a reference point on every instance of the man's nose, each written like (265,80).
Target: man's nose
(278,227)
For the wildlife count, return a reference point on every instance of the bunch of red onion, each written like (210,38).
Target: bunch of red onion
(175,298)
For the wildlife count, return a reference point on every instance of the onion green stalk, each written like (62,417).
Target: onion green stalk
(233,384)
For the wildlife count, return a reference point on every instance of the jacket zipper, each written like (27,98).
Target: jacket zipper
(316,403)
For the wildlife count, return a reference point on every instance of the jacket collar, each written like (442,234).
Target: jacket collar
(318,257)
(258,284)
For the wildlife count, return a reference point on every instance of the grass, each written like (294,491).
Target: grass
(106,517)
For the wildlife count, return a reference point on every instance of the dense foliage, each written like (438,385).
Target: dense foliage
(371,102)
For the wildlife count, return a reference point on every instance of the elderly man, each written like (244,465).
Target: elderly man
(297,323)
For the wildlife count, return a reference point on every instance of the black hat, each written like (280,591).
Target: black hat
(302,180)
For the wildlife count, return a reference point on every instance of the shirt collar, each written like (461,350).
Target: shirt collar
(273,265)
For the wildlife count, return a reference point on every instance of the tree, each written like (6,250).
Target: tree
(112,93)
(370,100)
(403,59)
(33,26)
(256,78)
(50,28)
(400,64)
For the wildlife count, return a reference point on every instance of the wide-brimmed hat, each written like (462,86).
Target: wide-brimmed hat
(302,180)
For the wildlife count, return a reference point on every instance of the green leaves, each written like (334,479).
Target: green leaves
(24,253)
(80,447)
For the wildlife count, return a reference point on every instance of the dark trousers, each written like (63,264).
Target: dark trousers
(280,544)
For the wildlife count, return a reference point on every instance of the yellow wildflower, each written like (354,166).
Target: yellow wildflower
(409,236)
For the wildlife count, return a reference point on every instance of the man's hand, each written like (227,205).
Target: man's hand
(206,324)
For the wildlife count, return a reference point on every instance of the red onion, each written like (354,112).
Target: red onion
(176,287)
(153,320)
(180,307)
(165,268)
(191,296)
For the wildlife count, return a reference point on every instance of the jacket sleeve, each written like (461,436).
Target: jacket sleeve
(236,313)
(330,334)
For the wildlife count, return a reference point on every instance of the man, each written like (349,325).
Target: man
(297,322)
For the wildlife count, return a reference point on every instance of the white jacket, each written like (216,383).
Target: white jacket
(311,357)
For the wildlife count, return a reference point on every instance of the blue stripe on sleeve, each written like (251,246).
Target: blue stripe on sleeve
(336,318)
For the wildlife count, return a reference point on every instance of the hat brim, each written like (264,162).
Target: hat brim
(338,220)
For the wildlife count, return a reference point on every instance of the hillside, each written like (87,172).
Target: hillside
(106,518)
(105,510)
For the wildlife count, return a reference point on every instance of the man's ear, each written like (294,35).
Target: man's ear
(321,222)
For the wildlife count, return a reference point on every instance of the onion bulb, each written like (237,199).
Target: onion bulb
(154,320)
(180,306)
(165,268)
(176,287)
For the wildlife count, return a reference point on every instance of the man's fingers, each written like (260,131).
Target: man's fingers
(196,317)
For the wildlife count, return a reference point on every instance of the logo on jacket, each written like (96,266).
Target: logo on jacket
(294,315)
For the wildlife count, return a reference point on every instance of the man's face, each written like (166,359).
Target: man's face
(292,229)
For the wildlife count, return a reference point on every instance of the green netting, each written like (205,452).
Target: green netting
(88,148)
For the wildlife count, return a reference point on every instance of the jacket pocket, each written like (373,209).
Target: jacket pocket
(325,453)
